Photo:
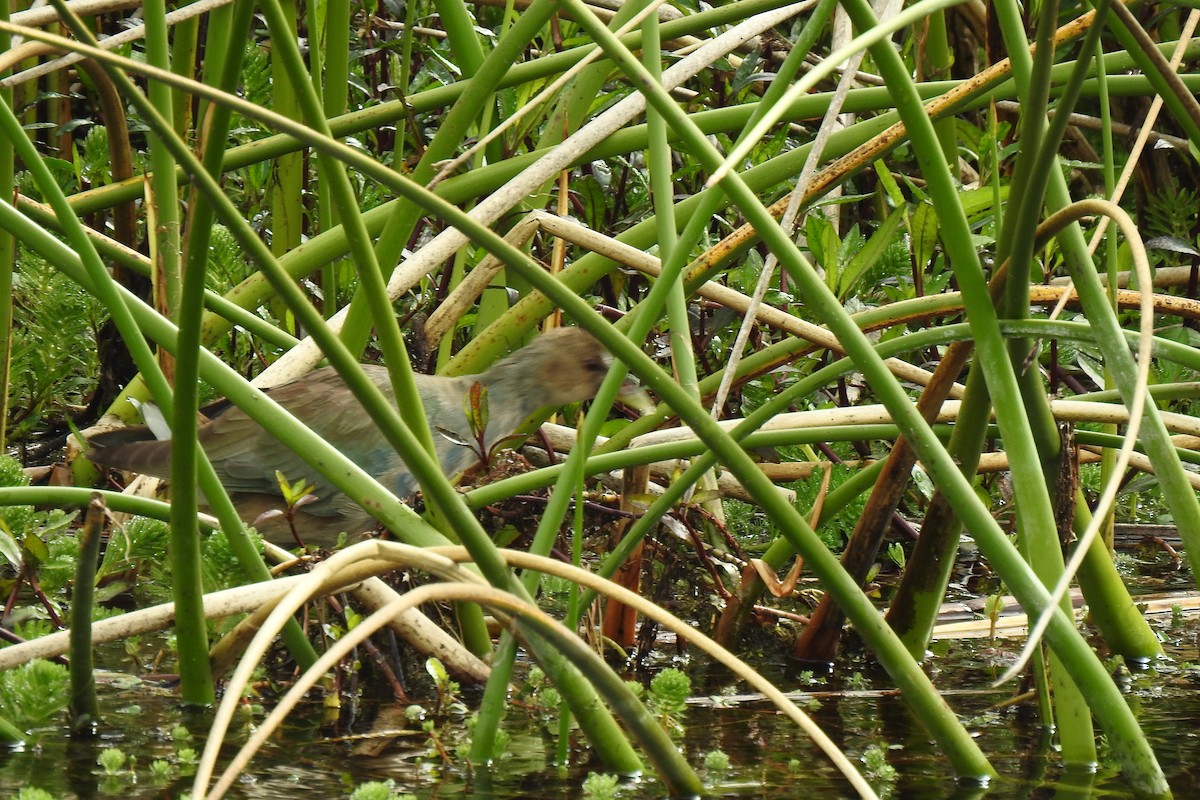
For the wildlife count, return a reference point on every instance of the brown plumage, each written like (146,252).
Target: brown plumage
(559,367)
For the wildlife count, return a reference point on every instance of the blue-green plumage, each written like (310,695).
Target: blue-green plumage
(559,367)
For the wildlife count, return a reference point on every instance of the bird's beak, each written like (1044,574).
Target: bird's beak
(633,395)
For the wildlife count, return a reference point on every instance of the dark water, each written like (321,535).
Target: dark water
(769,757)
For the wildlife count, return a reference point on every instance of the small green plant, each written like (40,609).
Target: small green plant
(500,744)
(475,408)
(748,523)
(895,552)
(379,790)
(535,679)
(669,691)
(555,587)
(857,682)
(434,722)
(32,694)
(540,694)
(132,645)
(112,760)
(33,628)
(16,520)
(667,699)
(549,699)
(1116,665)
(716,761)
(1171,211)
(874,759)
(54,355)
(139,545)
(447,689)
(992,609)
(161,770)
(10,734)
(222,570)
(31,793)
(600,786)
(295,496)
(31,543)
(437,746)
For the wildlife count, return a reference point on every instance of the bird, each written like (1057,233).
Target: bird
(564,365)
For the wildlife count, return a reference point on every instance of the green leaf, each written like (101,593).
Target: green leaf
(870,254)
(437,671)
(824,244)
(476,410)
(923,229)
(978,201)
(9,547)
(292,492)
(749,69)
(894,192)
(35,548)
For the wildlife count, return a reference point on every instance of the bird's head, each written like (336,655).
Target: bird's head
(569,364)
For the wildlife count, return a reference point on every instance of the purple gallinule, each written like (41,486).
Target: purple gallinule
(562,366)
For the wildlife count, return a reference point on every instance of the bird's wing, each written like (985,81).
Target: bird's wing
(246,456)
(133,448)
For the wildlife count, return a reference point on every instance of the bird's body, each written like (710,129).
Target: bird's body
(563,366)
